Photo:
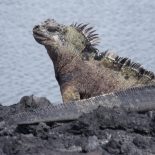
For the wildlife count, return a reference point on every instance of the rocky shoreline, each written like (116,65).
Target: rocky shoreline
(103,131)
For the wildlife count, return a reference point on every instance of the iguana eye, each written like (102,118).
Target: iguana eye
(53,29)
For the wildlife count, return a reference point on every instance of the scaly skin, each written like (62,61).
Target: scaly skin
(80,71)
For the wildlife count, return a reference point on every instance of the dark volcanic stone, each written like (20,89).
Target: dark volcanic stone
(103,131)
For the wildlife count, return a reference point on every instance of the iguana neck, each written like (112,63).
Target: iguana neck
(63,61)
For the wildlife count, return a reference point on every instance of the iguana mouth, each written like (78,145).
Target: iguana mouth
(47,32)
(41,35)
(38,34)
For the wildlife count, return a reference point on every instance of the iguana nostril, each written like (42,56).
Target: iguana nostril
(36,27)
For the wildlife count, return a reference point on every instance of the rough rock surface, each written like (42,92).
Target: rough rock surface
(103,131)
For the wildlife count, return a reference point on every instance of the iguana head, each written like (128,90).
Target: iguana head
(76,37)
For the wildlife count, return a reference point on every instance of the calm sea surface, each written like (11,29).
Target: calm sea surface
(126,26)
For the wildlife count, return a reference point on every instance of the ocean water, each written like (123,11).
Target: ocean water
(127,27)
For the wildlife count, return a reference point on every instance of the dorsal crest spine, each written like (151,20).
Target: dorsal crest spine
(123,62)
(88,32)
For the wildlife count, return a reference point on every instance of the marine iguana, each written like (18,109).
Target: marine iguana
(138,99)
(79,68)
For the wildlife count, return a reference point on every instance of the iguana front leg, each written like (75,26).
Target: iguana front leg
(69,93)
